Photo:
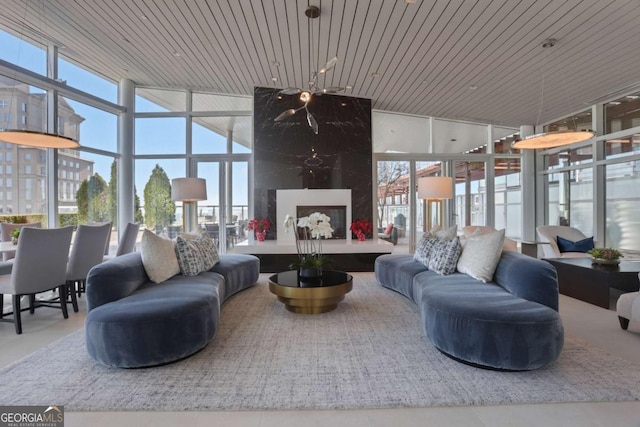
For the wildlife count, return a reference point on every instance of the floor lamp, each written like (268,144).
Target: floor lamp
(188,191)
(435,190)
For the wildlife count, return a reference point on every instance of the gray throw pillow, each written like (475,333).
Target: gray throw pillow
(444,256)
(196,253)
(424,247)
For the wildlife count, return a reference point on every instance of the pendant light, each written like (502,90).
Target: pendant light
(31,138)
(556,138)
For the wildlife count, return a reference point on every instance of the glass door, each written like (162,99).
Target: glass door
(224,215)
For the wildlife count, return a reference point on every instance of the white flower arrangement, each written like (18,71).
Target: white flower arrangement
(313,228)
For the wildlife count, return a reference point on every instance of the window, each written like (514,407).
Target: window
(9,182)
(27,155)
(3,103)
(9,169)
(9,197)
(160,135)
(27,169)
(24,120)
(99,129)
(43,170)
(24,107)
(8,156)
(622,113)
(623,206)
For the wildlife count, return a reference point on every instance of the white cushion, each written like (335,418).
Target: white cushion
(448,233)
(158,257)
(628,306)
(481,255)
(509,245)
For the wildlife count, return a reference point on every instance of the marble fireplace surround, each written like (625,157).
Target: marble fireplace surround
(288,200)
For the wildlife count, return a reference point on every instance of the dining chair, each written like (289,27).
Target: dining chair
(7,228)
(87,251)
(127,242)
(40,265)
(107,245)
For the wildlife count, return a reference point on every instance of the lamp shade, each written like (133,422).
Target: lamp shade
(435,187)
(37,139)
(553,139)
(188,189)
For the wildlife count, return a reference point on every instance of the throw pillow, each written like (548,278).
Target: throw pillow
(444,256)
(481,255)
(424,248)
(566,245)
(509,244)
(448,234)
(196,253)
(158,257)
(387,230)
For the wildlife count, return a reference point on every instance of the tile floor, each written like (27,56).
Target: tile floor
(591,323)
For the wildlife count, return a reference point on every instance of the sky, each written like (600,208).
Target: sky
(153,135)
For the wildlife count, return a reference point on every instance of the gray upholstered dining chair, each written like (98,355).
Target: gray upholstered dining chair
(6,229)
(87,251)
(40,265)
(107,245)
(127,242)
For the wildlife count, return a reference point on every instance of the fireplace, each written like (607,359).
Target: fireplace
(338,215)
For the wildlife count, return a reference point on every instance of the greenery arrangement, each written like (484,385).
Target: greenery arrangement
(309,232)
(605,253)
(15,233)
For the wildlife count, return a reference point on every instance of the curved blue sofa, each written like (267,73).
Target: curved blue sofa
(133,322)
(511,323)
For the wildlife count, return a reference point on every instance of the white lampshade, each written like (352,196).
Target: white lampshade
(435,187)
(188,189)
(37,139)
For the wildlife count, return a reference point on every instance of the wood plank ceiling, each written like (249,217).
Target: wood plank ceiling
(460,59)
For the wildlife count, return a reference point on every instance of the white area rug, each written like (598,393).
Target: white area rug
(369,352)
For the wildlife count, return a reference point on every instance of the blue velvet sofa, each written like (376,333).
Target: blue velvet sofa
(511,323)
(133,322)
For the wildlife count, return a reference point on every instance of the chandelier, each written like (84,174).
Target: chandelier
(306,95)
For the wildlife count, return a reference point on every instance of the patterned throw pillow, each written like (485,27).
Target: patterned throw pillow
(424,247)
(444,256)
(196,253)
(158,257)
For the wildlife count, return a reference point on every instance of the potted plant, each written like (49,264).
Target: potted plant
(260,226)
(15,234)
(607,256)
(309,232)
(361,228)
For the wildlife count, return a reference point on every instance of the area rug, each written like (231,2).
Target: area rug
(369,352)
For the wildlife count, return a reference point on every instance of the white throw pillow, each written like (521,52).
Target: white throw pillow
(449,234)
(481,255)
(158,257)
(508,245)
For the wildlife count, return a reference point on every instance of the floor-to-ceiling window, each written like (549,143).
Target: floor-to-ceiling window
(182,133)
(86,111)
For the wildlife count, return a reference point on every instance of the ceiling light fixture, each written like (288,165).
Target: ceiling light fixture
(556,138)
(311,12)
(32,138)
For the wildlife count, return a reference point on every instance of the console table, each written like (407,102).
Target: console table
(579,278)
(347,255)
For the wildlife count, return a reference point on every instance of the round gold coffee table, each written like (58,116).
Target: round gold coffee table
(310,296)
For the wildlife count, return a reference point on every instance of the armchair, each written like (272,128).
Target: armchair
(389,235)
(549,234)
(628,308)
